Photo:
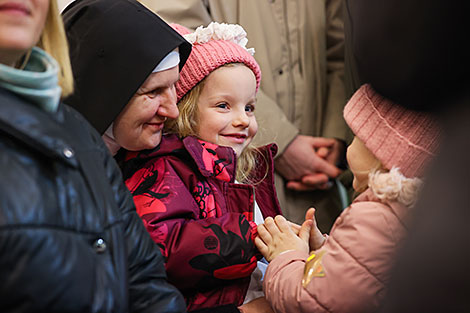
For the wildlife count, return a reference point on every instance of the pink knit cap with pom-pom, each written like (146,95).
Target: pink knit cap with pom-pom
(213,46)
(396,136)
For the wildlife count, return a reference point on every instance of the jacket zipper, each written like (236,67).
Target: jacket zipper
(254,202)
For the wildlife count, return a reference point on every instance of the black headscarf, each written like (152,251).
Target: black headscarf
(114,47)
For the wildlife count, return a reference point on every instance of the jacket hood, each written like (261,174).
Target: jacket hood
(114,47)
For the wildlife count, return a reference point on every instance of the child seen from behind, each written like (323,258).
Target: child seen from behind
(348,271)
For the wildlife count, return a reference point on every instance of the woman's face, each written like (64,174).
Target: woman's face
(21,25)
(139,126)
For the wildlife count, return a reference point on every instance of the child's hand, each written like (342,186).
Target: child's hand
(295,227)
(317,239)
(276,236)
(259,305)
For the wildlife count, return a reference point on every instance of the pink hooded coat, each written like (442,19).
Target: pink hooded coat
(354,269)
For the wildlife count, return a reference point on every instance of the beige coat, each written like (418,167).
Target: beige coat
(352,268)
(299,46)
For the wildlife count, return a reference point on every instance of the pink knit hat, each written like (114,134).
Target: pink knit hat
(396,136)
(213,46)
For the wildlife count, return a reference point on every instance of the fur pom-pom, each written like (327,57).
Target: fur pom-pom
(394,186)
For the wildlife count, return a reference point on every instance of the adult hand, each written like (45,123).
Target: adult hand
(310,182)
(276,236)
(301,159)
(336,152)
(258,305)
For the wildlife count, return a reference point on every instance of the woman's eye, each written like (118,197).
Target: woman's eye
(154,93)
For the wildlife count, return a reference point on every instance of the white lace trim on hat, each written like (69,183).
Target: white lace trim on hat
(220,31)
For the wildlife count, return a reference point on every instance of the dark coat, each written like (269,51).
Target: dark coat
(70,240)
(185,192)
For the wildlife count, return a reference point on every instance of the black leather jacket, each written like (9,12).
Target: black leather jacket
(70,239)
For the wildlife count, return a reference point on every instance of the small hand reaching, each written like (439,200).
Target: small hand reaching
(295,227)
(316,239)
(276,236)
(259,305)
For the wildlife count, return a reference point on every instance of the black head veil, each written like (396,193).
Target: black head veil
(114,47)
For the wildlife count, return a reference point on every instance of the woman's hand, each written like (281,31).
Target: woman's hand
(276,236)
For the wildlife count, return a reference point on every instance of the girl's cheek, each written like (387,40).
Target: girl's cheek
(254,130)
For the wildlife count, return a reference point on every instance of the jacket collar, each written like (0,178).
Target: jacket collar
(212,160)
(42,131)
(220,162)
(398,209)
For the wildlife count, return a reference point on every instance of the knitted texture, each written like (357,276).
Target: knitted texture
(396,136)
(207,57)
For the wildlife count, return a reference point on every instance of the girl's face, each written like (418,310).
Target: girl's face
(21,25)
(226,107)
(361,162)
(139,125)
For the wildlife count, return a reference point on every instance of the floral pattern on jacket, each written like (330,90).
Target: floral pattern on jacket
(185,193)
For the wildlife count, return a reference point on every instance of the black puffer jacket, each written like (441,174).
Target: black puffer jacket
(70,240)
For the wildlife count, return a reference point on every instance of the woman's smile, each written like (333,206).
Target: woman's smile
(15,8)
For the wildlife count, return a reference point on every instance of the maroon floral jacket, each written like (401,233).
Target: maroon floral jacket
(185,193)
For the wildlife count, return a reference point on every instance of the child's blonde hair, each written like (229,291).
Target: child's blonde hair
(187,125)
(54,42)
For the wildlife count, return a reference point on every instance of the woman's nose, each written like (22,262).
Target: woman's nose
(168,107)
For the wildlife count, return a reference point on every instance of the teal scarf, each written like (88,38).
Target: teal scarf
(38,81)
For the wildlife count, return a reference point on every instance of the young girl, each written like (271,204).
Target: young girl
(348,271)
(198,192)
